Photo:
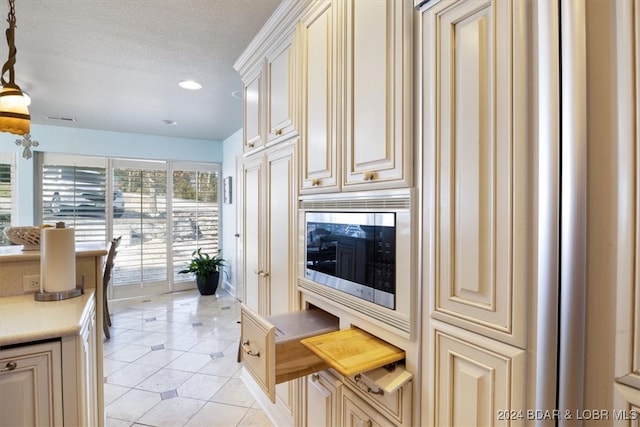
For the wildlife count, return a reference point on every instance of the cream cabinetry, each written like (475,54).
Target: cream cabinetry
(80,375)
(281,94)
(253,109)
(474,372)
(377,69)
(319,149)
(31,385)
(478,190)
(480,146)
(323,392)
(357,67)
(269,223)
(351,401)
(270,102)
(33,377)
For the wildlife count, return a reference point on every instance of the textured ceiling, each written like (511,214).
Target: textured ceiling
(115,64)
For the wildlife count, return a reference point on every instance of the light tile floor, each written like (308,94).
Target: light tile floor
(171,361)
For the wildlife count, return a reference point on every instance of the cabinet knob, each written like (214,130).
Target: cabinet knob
(315,182)
(369,175)
(278,132)
(251,144)
(315,377)
(10,366)
(237,235)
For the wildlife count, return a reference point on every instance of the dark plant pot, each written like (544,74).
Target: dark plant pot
(209,284)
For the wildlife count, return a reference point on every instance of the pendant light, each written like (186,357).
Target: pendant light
(14,113)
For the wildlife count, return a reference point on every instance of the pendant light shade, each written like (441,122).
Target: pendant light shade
(14,113)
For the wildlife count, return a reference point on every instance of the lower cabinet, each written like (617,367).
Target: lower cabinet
(31,385)
(333,400)
(323,390)
(33,376)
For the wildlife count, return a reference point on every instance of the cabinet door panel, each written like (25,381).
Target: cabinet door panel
(281,74)
(378,104)
(322,401)
(253,110)
(31,385)
(252,224)
(282,196)
(475,379)
(481,237)
(319,144)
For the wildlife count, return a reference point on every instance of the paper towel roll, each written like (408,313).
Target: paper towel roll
(58,259)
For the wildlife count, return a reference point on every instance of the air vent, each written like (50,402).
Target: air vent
(64,119)
(357,203)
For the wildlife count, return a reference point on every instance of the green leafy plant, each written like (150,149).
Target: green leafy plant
(203,264)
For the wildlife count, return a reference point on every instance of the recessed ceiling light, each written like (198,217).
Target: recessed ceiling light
(169,122)
(190,84)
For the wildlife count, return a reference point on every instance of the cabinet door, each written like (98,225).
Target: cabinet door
(479,382)
(378,76)
(281,231)
(279,276)
(252,106)
(253,232)
(87,372)
(482,180)
(31,385)
(319,165)
(322,400)
(281,93)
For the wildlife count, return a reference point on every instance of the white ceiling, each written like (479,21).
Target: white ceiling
(115,64)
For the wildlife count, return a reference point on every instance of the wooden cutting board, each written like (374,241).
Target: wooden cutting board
(352,351)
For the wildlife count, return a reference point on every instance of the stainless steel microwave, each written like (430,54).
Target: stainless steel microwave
(353,252)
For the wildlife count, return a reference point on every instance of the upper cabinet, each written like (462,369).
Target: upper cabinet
(270,101)
(356,59)
(319,150)
(377,70)
(252,109)
(280,91)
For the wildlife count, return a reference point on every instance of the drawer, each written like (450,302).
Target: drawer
(357,412)
(270,346)
(394,405)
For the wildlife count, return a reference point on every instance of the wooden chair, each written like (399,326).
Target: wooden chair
(106,278)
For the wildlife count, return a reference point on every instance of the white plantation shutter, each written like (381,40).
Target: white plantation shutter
(7,182)
(73,190)
(142,255)
(195,212)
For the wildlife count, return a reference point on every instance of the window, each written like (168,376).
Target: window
(163,211)
(6,188)
(195,213)
(73,192)
(141,267)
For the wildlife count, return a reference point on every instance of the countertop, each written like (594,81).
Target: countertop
(15,253)
(23,319)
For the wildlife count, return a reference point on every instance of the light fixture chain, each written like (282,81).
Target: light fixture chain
(12,12)
(11,61)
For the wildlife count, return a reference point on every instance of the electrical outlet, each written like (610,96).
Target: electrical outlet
(31,283)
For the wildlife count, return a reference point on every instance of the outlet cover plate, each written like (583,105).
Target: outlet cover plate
(31,283)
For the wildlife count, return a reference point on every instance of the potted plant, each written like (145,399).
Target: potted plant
(206,269)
